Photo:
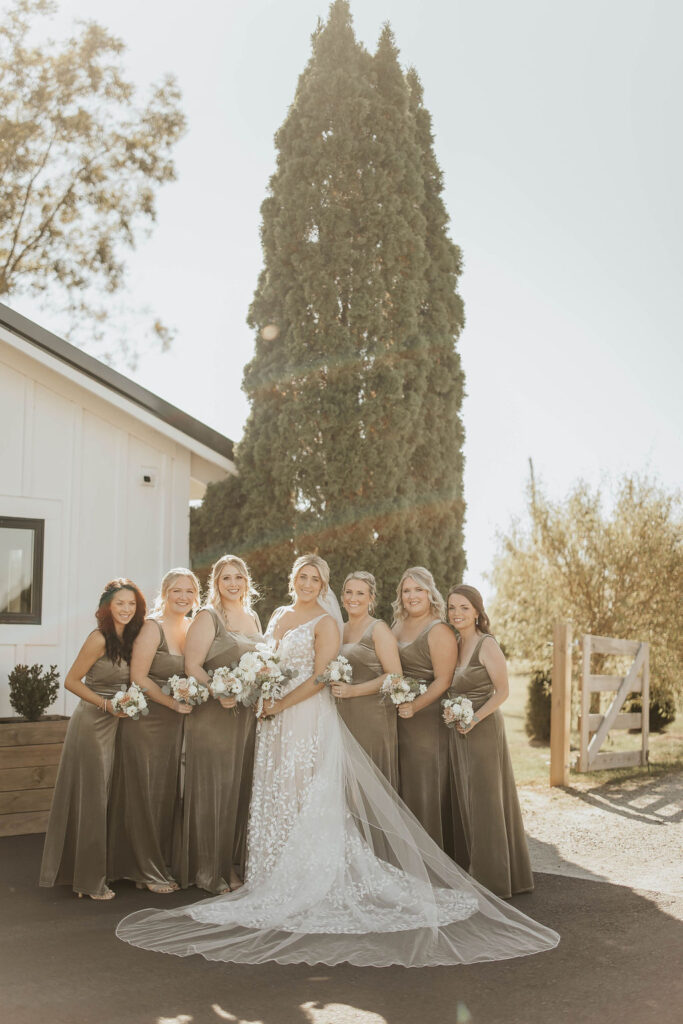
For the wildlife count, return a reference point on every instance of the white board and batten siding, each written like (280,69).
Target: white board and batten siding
(76,453)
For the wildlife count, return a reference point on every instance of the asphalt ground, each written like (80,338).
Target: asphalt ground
(618,962)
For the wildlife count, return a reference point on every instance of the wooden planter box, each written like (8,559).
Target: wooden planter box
(29,756)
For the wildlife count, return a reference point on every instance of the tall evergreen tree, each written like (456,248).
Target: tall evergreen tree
(353,447)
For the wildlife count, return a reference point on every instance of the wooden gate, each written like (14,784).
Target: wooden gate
(636,680)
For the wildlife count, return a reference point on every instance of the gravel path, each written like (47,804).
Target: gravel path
(628,833)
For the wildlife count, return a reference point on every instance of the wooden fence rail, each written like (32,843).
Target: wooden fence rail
(595,727)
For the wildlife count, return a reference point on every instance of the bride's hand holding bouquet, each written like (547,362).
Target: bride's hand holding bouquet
(263,677)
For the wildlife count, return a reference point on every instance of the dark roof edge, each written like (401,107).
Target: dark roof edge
(115,381)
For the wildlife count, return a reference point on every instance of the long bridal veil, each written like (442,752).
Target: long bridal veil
(356,880)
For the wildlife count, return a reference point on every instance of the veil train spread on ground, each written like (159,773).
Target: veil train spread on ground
(339,869)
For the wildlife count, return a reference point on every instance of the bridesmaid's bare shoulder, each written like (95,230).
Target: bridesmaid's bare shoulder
(94,644)
(490,654)
(380,631)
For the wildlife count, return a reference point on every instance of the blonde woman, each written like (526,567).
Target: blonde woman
(219,736)
(145,803)
(371,649)
(428,652)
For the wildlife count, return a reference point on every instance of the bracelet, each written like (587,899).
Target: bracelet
(103,707)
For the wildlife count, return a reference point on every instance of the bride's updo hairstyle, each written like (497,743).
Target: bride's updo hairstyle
(425,579)
(250,595)
(364,577)
(171,577)
(318,563)
(477,601)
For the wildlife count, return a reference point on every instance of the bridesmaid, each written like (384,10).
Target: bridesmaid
(497,849)
(428,652)
(145,803)
(219,737)
(371,648)
(75,851)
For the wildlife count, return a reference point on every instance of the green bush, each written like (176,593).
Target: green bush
(537,722)
(662,711)
(31,690)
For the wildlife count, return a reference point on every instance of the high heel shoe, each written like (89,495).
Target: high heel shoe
(161,888)
(108,894)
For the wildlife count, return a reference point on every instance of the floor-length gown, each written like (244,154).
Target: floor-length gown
(423,757)
(219,761)
(315,891)
(144,809)
(483,775)
(371,721)
(75,851)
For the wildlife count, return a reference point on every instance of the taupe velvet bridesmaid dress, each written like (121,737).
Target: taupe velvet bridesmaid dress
(75,851)
(370,721)
(144,810)
(498,854)
(219,764)
(423,758)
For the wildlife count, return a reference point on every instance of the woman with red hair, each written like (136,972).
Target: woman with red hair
(75,851)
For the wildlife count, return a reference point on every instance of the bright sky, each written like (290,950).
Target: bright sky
(558,131)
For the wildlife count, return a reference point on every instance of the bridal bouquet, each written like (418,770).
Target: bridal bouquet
(131,701)
(457,710)
(262,675)
(226,682)
(338,671)
(400,690)
(189,691)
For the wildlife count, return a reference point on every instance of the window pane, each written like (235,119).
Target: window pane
(16,571)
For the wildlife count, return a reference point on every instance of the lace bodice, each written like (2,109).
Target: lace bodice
(296,648)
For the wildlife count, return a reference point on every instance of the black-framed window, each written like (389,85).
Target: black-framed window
(21,569)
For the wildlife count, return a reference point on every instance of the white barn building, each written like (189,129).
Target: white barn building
(96,477)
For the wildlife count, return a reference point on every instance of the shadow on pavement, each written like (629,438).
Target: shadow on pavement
(60,963)
(659,801)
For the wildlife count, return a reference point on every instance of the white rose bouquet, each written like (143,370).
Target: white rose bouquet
(262,675)
(457,710)
(400,690)
(131,701)
(189,691)
(338,671)
(226,682)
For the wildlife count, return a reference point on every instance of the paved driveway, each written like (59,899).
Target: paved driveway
(60,963)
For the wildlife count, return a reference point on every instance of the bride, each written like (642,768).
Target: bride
(338,869)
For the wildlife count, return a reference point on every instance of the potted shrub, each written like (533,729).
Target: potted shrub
(32,691)
(30,748)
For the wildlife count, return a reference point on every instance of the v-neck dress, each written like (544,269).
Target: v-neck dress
(371,721)
(219,765)
(75,851)
(423,757)
(482,773)
(144,811)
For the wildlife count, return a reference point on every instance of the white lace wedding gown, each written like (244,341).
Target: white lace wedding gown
(338,869)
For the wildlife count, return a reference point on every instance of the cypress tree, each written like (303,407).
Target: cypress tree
(353,444)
